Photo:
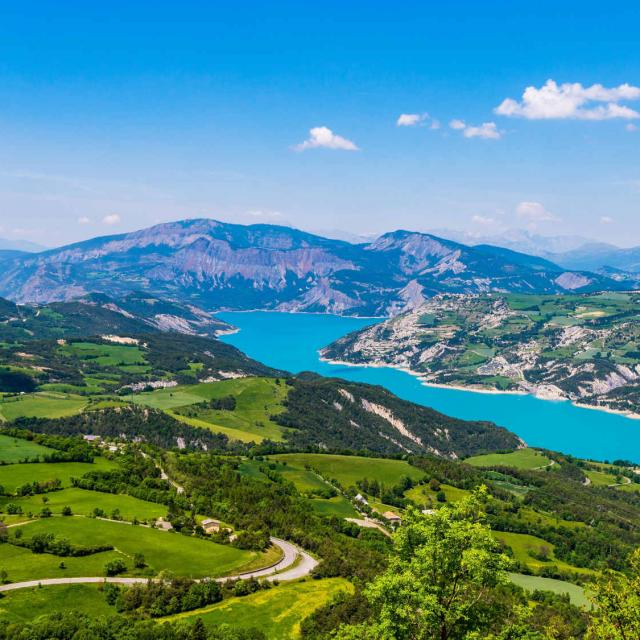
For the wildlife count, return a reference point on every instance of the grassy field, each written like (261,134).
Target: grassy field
(256,400)
(533,583)
(21,564)
(16,449)
(536,517)
(423,496)
(347,470)
(305,480)
(277,612)
(520,459)
(600,478)
(83,502)
(41,405)
(522,544)
(27,604)
(337,506)
(105,355)
(183,555)
(15,475)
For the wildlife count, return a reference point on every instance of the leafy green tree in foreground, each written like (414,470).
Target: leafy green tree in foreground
(616,600)
(442,569)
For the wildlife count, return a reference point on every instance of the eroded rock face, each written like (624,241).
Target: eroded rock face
(224,266)
(583,348)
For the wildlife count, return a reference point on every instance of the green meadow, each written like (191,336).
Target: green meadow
(16,449)
(41,405)
(347,470)
(520,459)
(28,604)
(15,475)
(337,506)
(600,478)
(538,583)
(183,555)
(20,564)
(522,544)
(83,502)
(257,399)
(105,355)
(423,495)
(277,612)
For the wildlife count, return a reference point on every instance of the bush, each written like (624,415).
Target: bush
(115,567)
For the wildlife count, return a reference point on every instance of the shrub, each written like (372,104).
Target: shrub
(115,567)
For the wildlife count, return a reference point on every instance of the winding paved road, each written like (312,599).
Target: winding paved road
(295,563)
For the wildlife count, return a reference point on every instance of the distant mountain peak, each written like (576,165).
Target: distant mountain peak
(216,265)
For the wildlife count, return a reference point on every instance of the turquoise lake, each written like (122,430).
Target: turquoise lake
(291,341)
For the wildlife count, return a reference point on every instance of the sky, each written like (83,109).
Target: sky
(361,116)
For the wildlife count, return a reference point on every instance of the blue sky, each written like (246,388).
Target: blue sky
(119,116)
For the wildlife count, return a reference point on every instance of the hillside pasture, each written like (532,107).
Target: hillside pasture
(105,355)
(15,475)
(257,399)
(83,502)
(347,470)
(337,506)
(15,449)
(20,564)
(183,555)
(28,604)
(277,612)
(523,544)
(526,459)
(422,495)
(41,405)
(538,583)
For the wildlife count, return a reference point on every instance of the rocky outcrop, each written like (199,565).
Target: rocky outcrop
(581,348)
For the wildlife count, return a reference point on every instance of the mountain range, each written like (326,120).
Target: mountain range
(570,252)
(215,265)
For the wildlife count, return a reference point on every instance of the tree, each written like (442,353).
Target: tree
(441,569)
(198,630)
(616,598)
(138,561)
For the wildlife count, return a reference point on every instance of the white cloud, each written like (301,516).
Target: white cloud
(606,220)
(264,213)
(323,137)
(534,212)
(411,119)
(112,218)
(484,221)
(486,130)
(572,100)
(84,220)
(631,127)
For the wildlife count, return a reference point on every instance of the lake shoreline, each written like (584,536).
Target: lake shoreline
(489,391)
(295,342)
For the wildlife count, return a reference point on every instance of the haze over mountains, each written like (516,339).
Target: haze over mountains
(571,252)
(216,265)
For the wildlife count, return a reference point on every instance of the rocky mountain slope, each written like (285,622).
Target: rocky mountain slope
(582,347)
(215,265)
(96,314)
